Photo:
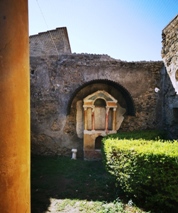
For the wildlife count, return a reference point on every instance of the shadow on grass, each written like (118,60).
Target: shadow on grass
(61,178)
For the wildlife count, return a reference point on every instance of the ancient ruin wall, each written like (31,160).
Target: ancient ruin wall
(170,82)
(53,42)
(170,51)
(58,81)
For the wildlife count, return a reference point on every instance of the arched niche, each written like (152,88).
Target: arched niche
(100,111)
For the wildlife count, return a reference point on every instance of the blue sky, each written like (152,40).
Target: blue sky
(129,30)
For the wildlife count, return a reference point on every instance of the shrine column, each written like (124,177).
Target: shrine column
(114,119)
(14,107)
(93,118)
(85,118)
(106,119)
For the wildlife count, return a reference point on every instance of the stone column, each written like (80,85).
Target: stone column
(114,119)
(14,107)
(85,119)
(106,119)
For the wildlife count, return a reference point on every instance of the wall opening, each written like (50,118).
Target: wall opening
(98,142)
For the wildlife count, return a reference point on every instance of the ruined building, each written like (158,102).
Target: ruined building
(76,99)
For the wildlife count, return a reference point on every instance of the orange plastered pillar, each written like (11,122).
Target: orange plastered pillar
(14,107)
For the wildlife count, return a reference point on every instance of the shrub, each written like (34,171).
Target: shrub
(146,170)
(144,134)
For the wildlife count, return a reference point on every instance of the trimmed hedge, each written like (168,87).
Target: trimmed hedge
(145,169)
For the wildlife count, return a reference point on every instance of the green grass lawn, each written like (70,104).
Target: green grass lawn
(59,184)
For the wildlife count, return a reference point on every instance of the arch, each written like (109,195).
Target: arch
(130,108)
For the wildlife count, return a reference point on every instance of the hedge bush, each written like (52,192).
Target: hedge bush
(146,170)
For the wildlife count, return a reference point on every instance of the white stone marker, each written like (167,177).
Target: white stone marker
(74,154)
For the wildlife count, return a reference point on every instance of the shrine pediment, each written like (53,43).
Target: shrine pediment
(100,94)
